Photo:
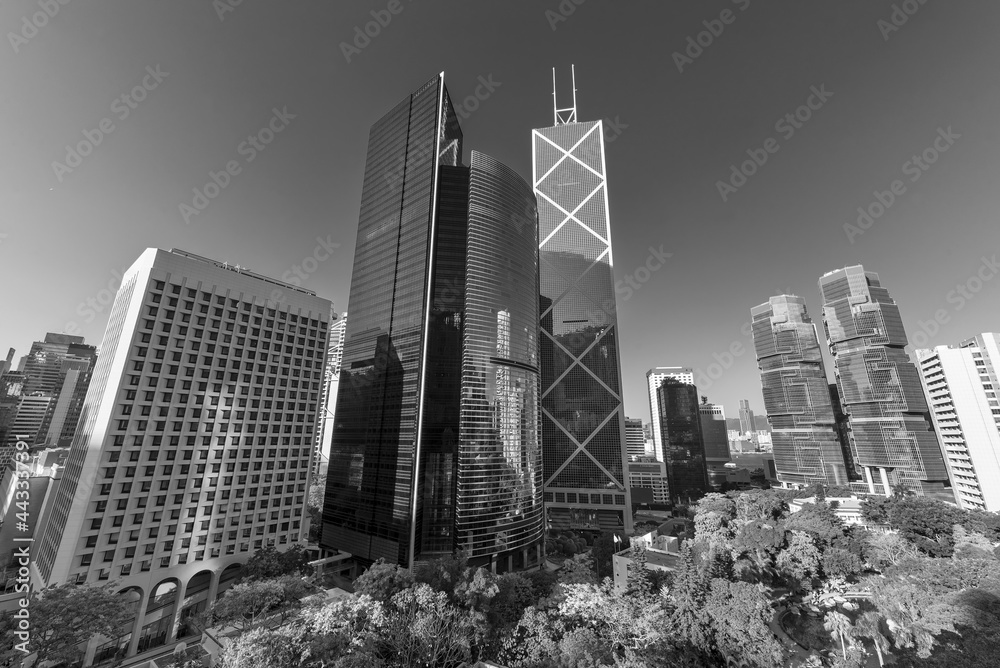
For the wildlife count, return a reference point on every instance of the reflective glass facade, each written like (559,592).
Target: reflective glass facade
(683,443)
(500,457)
(583,421)
(436,433)
(805,442)
(890,430)
(370,508)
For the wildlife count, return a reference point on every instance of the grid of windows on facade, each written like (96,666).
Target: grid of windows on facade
(209,448)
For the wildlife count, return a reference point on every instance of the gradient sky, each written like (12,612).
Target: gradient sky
(62,241)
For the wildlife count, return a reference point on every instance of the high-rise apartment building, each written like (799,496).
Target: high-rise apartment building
(961,384)
(683,443)
(436,444)
(331,386)
(804,437)
(634,437)
(195,445)
(583,417)
(654,378)
(892,440)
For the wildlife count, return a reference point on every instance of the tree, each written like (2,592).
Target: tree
(688,594)
(578,570)
(262,648)
(64,618)
(246,603)
(800,560)
(270,563)
(839,626)
(345,631)
(889,549)
(869,625)
(740,613)
(971,545)
(317,493)
(424,629)
(925,522)
(761,539)
(819,520)
(514,593)
(314,506)
(839,563)
(382,581)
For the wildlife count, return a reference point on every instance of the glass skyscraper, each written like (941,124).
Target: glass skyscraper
(436,436)
(583,419)
(683,442)
(891,436)
(797,399)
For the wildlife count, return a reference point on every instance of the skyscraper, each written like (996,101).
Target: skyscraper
(716,439)
(11,385)
(748,424)
(436,432)
(634,437)
(796,393)
(683,443)
(583,418)
(892,440)
(654,377)
(194,447)
(961,383)
(58,369)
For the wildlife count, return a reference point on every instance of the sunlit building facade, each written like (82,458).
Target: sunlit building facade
(804,437)
(961,384)
(583,418)
(892,440)
(436,432)
(331,386)
(194,445)
(635,438)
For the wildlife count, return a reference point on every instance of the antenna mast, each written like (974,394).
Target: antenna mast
(568,114)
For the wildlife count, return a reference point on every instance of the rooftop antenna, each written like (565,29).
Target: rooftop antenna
(567,115)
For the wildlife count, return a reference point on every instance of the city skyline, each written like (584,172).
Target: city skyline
(275,215)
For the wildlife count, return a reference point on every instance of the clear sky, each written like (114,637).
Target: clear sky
(218,72)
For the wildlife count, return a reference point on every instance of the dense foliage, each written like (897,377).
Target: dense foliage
(752,580)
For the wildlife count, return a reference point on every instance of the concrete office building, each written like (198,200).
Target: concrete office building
(196,442)
(635,438)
